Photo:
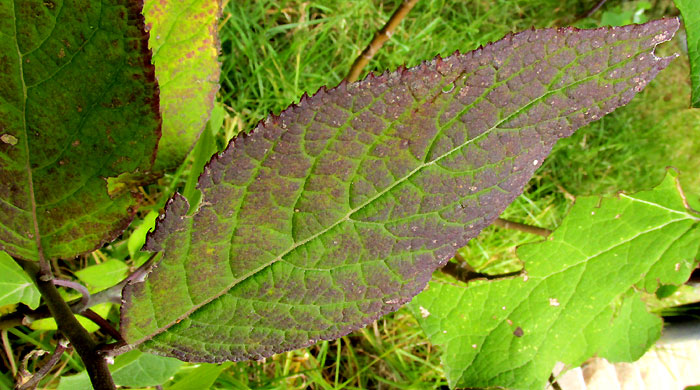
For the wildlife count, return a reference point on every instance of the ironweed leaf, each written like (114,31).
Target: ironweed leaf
(338,210)
(78,105)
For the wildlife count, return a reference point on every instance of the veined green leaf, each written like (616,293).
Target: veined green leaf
(104,275)
(338,210)
(15,285)
(133,369)
(578,298)
(78,104)
(137,369)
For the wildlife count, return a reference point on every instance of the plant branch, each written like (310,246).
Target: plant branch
(85,298)
(464,272)
(112,294)
(105,326)
(506,224)
(46,368)
(68,325)
(553,382)
(379,39)
(595,8)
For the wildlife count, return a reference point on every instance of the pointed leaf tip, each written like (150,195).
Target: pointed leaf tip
(339,209)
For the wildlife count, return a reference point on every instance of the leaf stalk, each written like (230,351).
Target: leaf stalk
(379,39)
(506,224)
(46,368)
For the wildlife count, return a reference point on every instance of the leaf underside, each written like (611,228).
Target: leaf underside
(690,10)
(78,104)
(184,40)
(579,297)
(338,211)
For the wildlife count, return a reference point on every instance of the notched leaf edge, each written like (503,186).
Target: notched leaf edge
(135,8)
(177,207)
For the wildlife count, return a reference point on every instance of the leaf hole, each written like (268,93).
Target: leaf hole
(448,88)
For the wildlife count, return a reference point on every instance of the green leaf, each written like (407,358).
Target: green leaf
(619,17)
(133,369)
(15,285)
(202,377)
(79,381)
(690,10)
(78,104)
(104,275)
(203,150)
(138,236)
(339,210)
(50,324)
(184,40)
(579,296)
(6,381)
(137,369)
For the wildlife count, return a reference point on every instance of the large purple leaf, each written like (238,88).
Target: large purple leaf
(338,210)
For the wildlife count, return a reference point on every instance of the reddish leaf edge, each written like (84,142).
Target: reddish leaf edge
(179,205)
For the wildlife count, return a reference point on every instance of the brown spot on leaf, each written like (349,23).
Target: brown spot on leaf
(518,332)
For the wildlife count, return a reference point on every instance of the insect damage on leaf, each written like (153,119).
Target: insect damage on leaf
(339,209)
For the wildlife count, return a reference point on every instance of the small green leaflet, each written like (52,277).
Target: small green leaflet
(690,10)
(201,376)
(50,324)
(579,296)
(15,284)
(134,369)
(104,275)
(137,369)
(338,210)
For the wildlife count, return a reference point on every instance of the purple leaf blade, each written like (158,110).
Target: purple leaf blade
(338,210)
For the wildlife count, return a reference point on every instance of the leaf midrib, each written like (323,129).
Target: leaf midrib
(25,144)
(422,165)
(685,214)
